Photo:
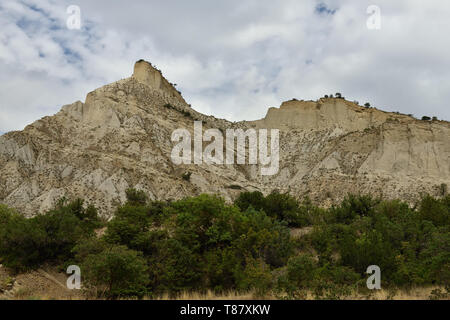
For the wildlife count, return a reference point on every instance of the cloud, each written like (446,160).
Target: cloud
(232,59)
(322,8)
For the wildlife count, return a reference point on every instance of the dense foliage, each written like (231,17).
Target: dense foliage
(201,243)
(28,243)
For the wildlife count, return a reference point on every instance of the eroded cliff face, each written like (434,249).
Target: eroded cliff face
(121,138)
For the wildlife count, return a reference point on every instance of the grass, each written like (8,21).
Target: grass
(419,293)
(209,295)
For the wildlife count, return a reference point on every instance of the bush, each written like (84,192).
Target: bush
(353,206)
(282,206)
(202,243)
(369,248)
(5,214)
(277,205)
(435,210)
(116,271)
(300,271)
(256,276)
(27,243)
(309,214)
(136,197)
(176,268)
(435,259)
(127,225)
(246,199)
(21,243)
(199,243)
(187,176)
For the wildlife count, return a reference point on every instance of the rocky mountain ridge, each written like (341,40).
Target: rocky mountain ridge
(120,137)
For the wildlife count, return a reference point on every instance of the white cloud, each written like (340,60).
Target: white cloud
(232,58)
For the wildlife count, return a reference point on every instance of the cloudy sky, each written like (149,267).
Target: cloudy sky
(230,58)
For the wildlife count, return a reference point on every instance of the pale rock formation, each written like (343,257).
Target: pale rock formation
(120,137)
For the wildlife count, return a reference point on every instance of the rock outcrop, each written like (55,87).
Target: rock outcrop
(120,137)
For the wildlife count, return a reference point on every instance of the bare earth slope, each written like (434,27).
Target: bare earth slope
(121,138)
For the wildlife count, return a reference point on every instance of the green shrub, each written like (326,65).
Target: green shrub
(136,197)
(186,176)
(282,206)
(175,268)
(202,243)
(277,205)
(246,199)
(435,210)
(369,248)
(353,206)
(256,276)
(116,271)
(300,271)
(435,259)
(27,243)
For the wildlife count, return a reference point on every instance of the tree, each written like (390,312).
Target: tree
(127,225)
(136,197)
(426,118)
(367,105)
(117,271)
(436,258)
(282,206)
(300,270)
(50,237)
(277,205)
(246,199)
(435,210)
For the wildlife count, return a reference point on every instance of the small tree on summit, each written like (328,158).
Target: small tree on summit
(338,95)
(367,105)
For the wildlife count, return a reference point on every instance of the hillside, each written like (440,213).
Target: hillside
(120,137)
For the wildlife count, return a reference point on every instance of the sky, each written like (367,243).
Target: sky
(230,58)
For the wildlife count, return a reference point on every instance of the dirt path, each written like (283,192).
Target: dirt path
(45,283)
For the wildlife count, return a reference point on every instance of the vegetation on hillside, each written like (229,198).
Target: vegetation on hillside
(199,244)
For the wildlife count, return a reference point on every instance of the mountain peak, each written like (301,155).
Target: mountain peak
(147,74)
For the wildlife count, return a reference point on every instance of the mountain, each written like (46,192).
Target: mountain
(120,137)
